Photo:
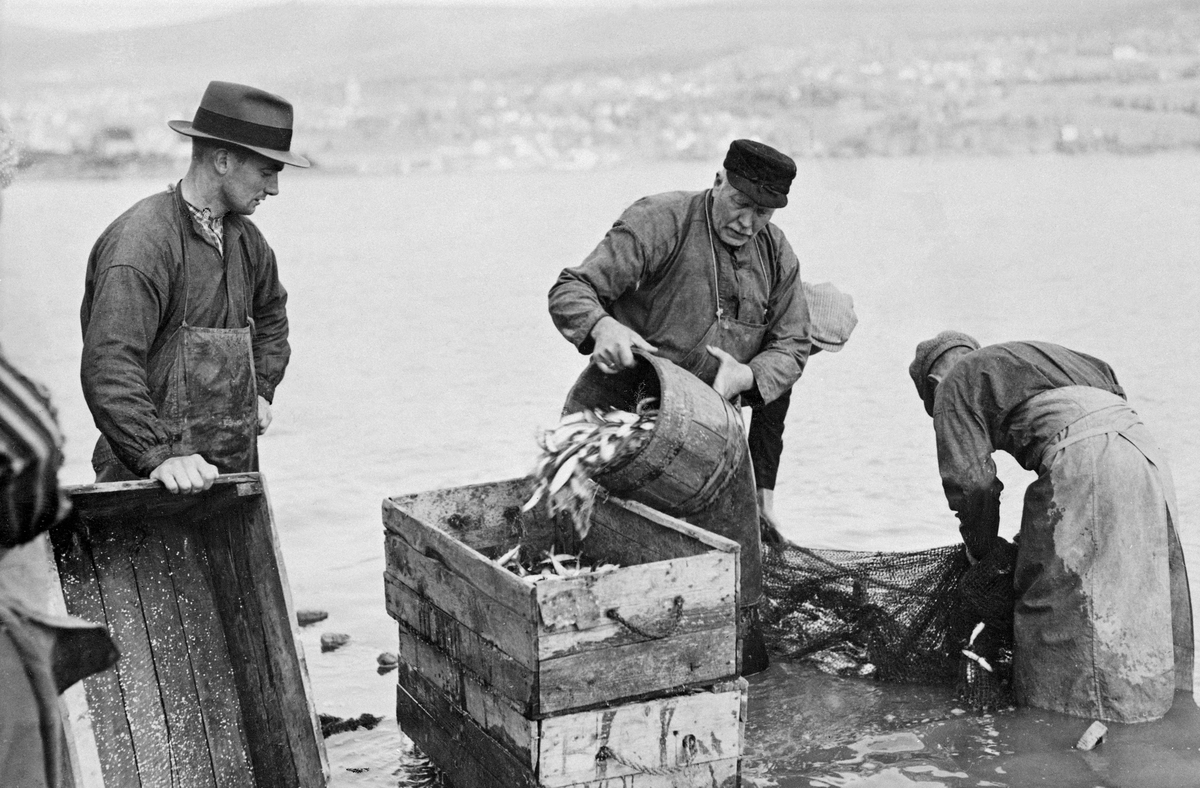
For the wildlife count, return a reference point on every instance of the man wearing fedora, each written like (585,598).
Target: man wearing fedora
(184,318)
(705,280)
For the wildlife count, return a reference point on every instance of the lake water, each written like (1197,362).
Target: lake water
(423,355)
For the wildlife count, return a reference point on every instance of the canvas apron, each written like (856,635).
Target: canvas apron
(202,381)
(742,340)
(1102,625)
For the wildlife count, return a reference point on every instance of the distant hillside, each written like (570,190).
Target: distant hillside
(300,45)
(454,86)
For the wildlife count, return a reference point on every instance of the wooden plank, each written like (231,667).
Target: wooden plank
(261,559)
(302,694)
(583,680)
(481,516)
(509,626)
(573,613)
(216,688)
(628,533)
(107,501)
(724,773)
(83,598)
(675,733)
(489,664)
(475,568)
(498,716)
(187,744)
(241,617)
(452,740)
(112,547)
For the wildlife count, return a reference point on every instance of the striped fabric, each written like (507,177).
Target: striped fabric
(30,456)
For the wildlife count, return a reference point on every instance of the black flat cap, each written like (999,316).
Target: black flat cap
(760,172)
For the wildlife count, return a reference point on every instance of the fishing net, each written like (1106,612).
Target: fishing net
(898,617)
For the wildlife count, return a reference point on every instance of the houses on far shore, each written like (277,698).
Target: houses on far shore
(962,95)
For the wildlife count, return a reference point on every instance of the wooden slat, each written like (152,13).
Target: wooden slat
(490,665)
(481,516)
(241,620)
(81,592)
(573,612)
(215,685)
(140,691)
(262,560)
(187,744)
(503,587)
(653,734)
(508,624)
(109,500)
(452,741)
(587,679)
(629,533)
(498,716)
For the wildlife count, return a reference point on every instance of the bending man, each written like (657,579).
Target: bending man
(1103,624)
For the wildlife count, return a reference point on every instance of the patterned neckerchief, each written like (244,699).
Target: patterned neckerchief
(212,228)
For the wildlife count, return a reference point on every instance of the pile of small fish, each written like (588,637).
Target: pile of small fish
(554,566)
(585,444)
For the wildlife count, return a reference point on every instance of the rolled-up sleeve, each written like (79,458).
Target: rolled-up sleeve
(787,343)
(584,294)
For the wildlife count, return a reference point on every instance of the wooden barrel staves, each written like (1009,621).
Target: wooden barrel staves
(696,446)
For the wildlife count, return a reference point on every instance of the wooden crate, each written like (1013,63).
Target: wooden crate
(690,740)
(211,689)
(504,648)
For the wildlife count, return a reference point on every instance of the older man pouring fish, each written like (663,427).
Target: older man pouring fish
(703,279)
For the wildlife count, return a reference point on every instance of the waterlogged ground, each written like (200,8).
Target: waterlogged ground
(807,729)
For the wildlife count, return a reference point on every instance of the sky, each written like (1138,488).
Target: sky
(81,15)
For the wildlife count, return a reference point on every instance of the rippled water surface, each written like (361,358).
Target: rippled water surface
(423,357)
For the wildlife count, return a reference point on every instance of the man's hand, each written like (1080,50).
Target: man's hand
(614,346)
(264,415)
(190,474)
(733,377)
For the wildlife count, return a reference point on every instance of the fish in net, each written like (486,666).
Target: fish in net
(896,617)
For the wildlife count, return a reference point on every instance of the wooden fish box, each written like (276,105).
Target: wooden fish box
(211,689)
(689,740)
(500,643)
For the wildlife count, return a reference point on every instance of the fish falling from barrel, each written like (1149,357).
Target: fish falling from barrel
(584,445)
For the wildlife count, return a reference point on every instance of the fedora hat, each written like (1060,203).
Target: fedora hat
(244,116)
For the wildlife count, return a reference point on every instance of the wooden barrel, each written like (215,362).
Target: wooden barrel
(695,448)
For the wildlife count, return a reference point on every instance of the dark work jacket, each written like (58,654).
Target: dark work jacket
(654,272)
(134,301)
(971,412)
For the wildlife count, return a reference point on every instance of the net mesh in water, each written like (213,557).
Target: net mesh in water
(896,617)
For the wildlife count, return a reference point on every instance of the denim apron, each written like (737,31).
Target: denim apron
(203,384)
